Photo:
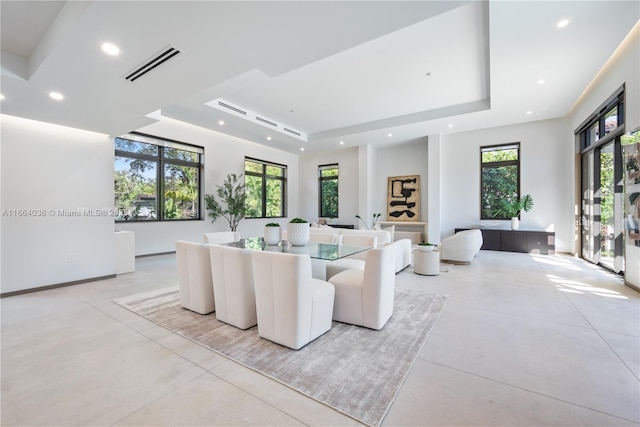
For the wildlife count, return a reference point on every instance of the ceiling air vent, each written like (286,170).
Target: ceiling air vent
(292,131)
(232,108)
(260,119)
(150,64)
(251,116)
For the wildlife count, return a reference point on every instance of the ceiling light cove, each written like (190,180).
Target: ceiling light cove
(110,49)
(56,95)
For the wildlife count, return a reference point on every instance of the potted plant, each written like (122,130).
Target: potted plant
(232,197)
(426,247)
(298,232)
(513,208)
(272,235)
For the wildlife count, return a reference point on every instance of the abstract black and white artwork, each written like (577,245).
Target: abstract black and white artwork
(403,198)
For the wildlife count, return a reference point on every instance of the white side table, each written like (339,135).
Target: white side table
(426,263)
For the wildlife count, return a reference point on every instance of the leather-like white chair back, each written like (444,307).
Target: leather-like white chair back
(292,307)
(233,285)
(194,277)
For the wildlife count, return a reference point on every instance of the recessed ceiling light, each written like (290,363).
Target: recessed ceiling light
(1,97)
(301,148)
(110,49)
(56,95)
(563,23)
(450,125)
(268,138)
(341,142)
(221,122)
(529,112)
(389,135)
(540,82)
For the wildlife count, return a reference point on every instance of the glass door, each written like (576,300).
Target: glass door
(602,211)
(587,219)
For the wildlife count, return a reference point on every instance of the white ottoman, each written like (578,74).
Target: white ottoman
(426,263)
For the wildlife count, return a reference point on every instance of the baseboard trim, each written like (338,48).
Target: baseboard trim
(57,285)
(159,253)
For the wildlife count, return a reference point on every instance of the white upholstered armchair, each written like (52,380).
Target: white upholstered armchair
(365,297)
(233,289)
(292,307)
(194,277)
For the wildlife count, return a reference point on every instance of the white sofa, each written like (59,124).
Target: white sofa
(384,237)
(218,237)
(461,247)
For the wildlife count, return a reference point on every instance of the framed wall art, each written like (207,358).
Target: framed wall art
(403,198)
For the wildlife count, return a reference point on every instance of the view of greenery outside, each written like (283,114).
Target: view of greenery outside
(265,189)
(148,176)
(328,190)
(607,189)
(500,168)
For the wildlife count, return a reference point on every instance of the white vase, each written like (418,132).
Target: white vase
(298,233)
(272,235)
(515,223)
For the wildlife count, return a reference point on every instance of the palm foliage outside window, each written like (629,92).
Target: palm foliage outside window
(500,178)
(265,185)
(328,190)
(156,179)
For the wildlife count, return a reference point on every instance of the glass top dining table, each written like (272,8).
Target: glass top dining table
(323,251)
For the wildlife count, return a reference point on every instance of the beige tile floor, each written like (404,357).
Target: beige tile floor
(523,340)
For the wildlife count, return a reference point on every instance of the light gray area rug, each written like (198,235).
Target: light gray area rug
(355,370)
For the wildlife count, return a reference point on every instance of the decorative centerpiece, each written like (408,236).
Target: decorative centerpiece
(298,232)
(513,208)
(272,235)
(426,247)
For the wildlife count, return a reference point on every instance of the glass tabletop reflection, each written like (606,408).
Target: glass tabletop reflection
(324,251)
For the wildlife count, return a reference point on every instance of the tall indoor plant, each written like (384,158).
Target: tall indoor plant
(231,205)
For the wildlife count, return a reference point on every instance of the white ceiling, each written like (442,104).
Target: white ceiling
(351,71)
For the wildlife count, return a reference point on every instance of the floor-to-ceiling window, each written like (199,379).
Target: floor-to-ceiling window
(602,216)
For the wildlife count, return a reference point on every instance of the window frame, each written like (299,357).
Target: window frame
(264,176)
(161,161)
(483,165)
(321,180)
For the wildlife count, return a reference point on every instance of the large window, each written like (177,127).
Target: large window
(156,179)
(500,178)
(265,185)
(328,190)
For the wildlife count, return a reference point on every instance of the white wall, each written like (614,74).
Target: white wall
(347,161)
(407,159)
(47,168)
(224,154)
(546,149)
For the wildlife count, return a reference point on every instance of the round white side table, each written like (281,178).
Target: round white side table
(426,263)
